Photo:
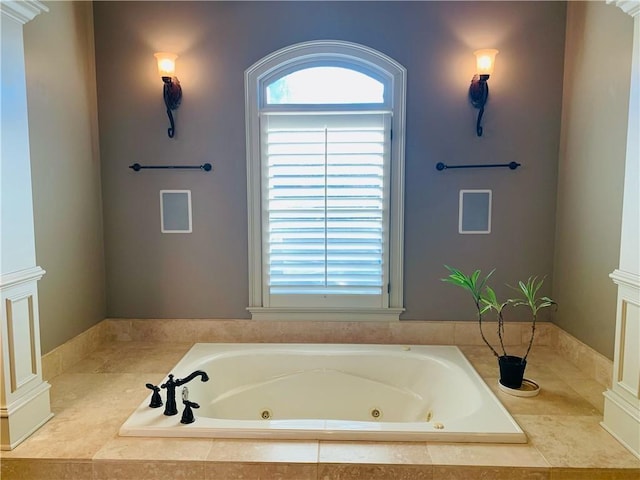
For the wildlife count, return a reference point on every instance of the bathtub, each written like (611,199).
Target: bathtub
(338,392)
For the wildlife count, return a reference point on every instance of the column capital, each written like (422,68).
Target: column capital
(632,7)
(22,11)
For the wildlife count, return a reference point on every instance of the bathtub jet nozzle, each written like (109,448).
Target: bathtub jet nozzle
(170,407)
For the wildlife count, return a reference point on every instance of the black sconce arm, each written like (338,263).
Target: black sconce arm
(478,94)
(172,96)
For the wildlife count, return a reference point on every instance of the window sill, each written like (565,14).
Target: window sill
(327,315)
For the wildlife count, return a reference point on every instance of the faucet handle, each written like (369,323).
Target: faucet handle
(156,399)
(187,414)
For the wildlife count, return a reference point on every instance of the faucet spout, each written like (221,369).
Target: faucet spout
(187,379)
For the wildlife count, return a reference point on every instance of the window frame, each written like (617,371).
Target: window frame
(257,77)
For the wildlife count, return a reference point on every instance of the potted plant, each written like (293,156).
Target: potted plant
(511,367)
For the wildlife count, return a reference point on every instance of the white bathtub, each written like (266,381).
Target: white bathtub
(342,392)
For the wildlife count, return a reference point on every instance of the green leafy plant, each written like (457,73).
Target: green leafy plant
(529,291)
(485,300)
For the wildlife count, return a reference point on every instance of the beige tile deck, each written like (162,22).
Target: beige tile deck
(92,398)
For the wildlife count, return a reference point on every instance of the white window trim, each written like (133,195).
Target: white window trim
(285,60)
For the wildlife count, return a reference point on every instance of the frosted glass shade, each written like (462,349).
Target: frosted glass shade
(485,60)
(166,63)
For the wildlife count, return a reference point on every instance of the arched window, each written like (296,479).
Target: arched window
(325,85)
(325,163)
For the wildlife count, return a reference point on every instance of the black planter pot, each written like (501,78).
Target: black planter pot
(511,371)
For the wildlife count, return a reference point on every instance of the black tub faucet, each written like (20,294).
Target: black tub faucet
(170,407)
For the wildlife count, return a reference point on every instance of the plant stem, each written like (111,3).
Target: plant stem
(497,355)
(533,331)
(501,331)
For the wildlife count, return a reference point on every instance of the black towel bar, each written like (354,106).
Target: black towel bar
(513,165)
(137,167)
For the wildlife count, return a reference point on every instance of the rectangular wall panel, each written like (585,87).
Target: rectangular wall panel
(20,330)
(629,364)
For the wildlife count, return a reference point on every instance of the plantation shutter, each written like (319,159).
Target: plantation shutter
(325,200)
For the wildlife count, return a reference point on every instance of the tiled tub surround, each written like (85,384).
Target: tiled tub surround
(93,396)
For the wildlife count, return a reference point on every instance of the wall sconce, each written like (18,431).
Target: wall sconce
(479,90)
(172,88)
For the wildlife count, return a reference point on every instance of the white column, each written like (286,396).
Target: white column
(622,400)
(24,396)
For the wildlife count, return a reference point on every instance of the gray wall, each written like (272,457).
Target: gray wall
(204,274)
(65,170)
(591,170)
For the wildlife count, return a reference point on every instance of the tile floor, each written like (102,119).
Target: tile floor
(94,397)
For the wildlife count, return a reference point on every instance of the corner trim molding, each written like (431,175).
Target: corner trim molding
(22,11)
(21,276)
(631,7)
(629,279)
